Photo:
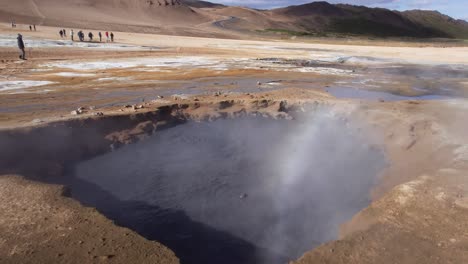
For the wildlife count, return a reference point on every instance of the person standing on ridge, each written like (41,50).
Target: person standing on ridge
(21,47)
(30,28)
(34,27)
(107,36)
(112,36)
(90,35)
(100,36)
(71,34)
(64,33)
(61,33)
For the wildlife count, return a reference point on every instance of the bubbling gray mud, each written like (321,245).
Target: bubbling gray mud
(251,190)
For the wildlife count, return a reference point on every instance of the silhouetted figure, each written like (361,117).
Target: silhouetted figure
(64,33)
(100,36)
(72,34)
(34,27)
(30,28)
(61,33)
(90,35)
(112,36)
(107,36)
(21,47)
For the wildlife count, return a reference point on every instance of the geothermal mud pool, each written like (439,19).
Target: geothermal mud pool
(249,190)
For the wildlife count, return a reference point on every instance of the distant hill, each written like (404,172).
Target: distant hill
(201,4)
(124,15)
(361,20)
(202,18)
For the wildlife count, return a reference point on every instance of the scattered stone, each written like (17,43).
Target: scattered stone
(453,240)
(92,108)
(160,97)
(283,106)
(411,144)
(99,114)
(128,106)
(36,121)
(106,257)
(76,112)
(138,107)
(259,83)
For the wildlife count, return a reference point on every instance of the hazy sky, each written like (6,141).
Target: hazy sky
(454,8)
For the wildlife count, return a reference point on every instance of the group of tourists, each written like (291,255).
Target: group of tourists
(63,34)
(81,35)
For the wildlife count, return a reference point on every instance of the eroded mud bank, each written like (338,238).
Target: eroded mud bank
(253,189)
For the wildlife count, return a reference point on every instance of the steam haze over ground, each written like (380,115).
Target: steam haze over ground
(253,190)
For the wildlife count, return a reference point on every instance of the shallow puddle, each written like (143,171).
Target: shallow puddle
(353,93)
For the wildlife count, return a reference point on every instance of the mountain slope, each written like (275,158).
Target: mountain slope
(201,4)
(192,17)
(361,20)
(90,12)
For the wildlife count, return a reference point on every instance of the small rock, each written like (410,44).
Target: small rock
(259,83)
(75,112)
(92,108)
(160,97)
(283,106)
(128,106)
(453,240)
(99,114)
(80,108)
(36,121)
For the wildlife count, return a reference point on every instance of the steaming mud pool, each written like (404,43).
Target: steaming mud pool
(250,190)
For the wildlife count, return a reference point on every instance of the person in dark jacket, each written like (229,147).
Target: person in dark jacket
(112,36)
(21,46)
(90,35)
(100,36)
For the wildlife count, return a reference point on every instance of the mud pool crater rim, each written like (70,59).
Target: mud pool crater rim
(250,190)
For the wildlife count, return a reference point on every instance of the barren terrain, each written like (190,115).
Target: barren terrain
(74,102)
